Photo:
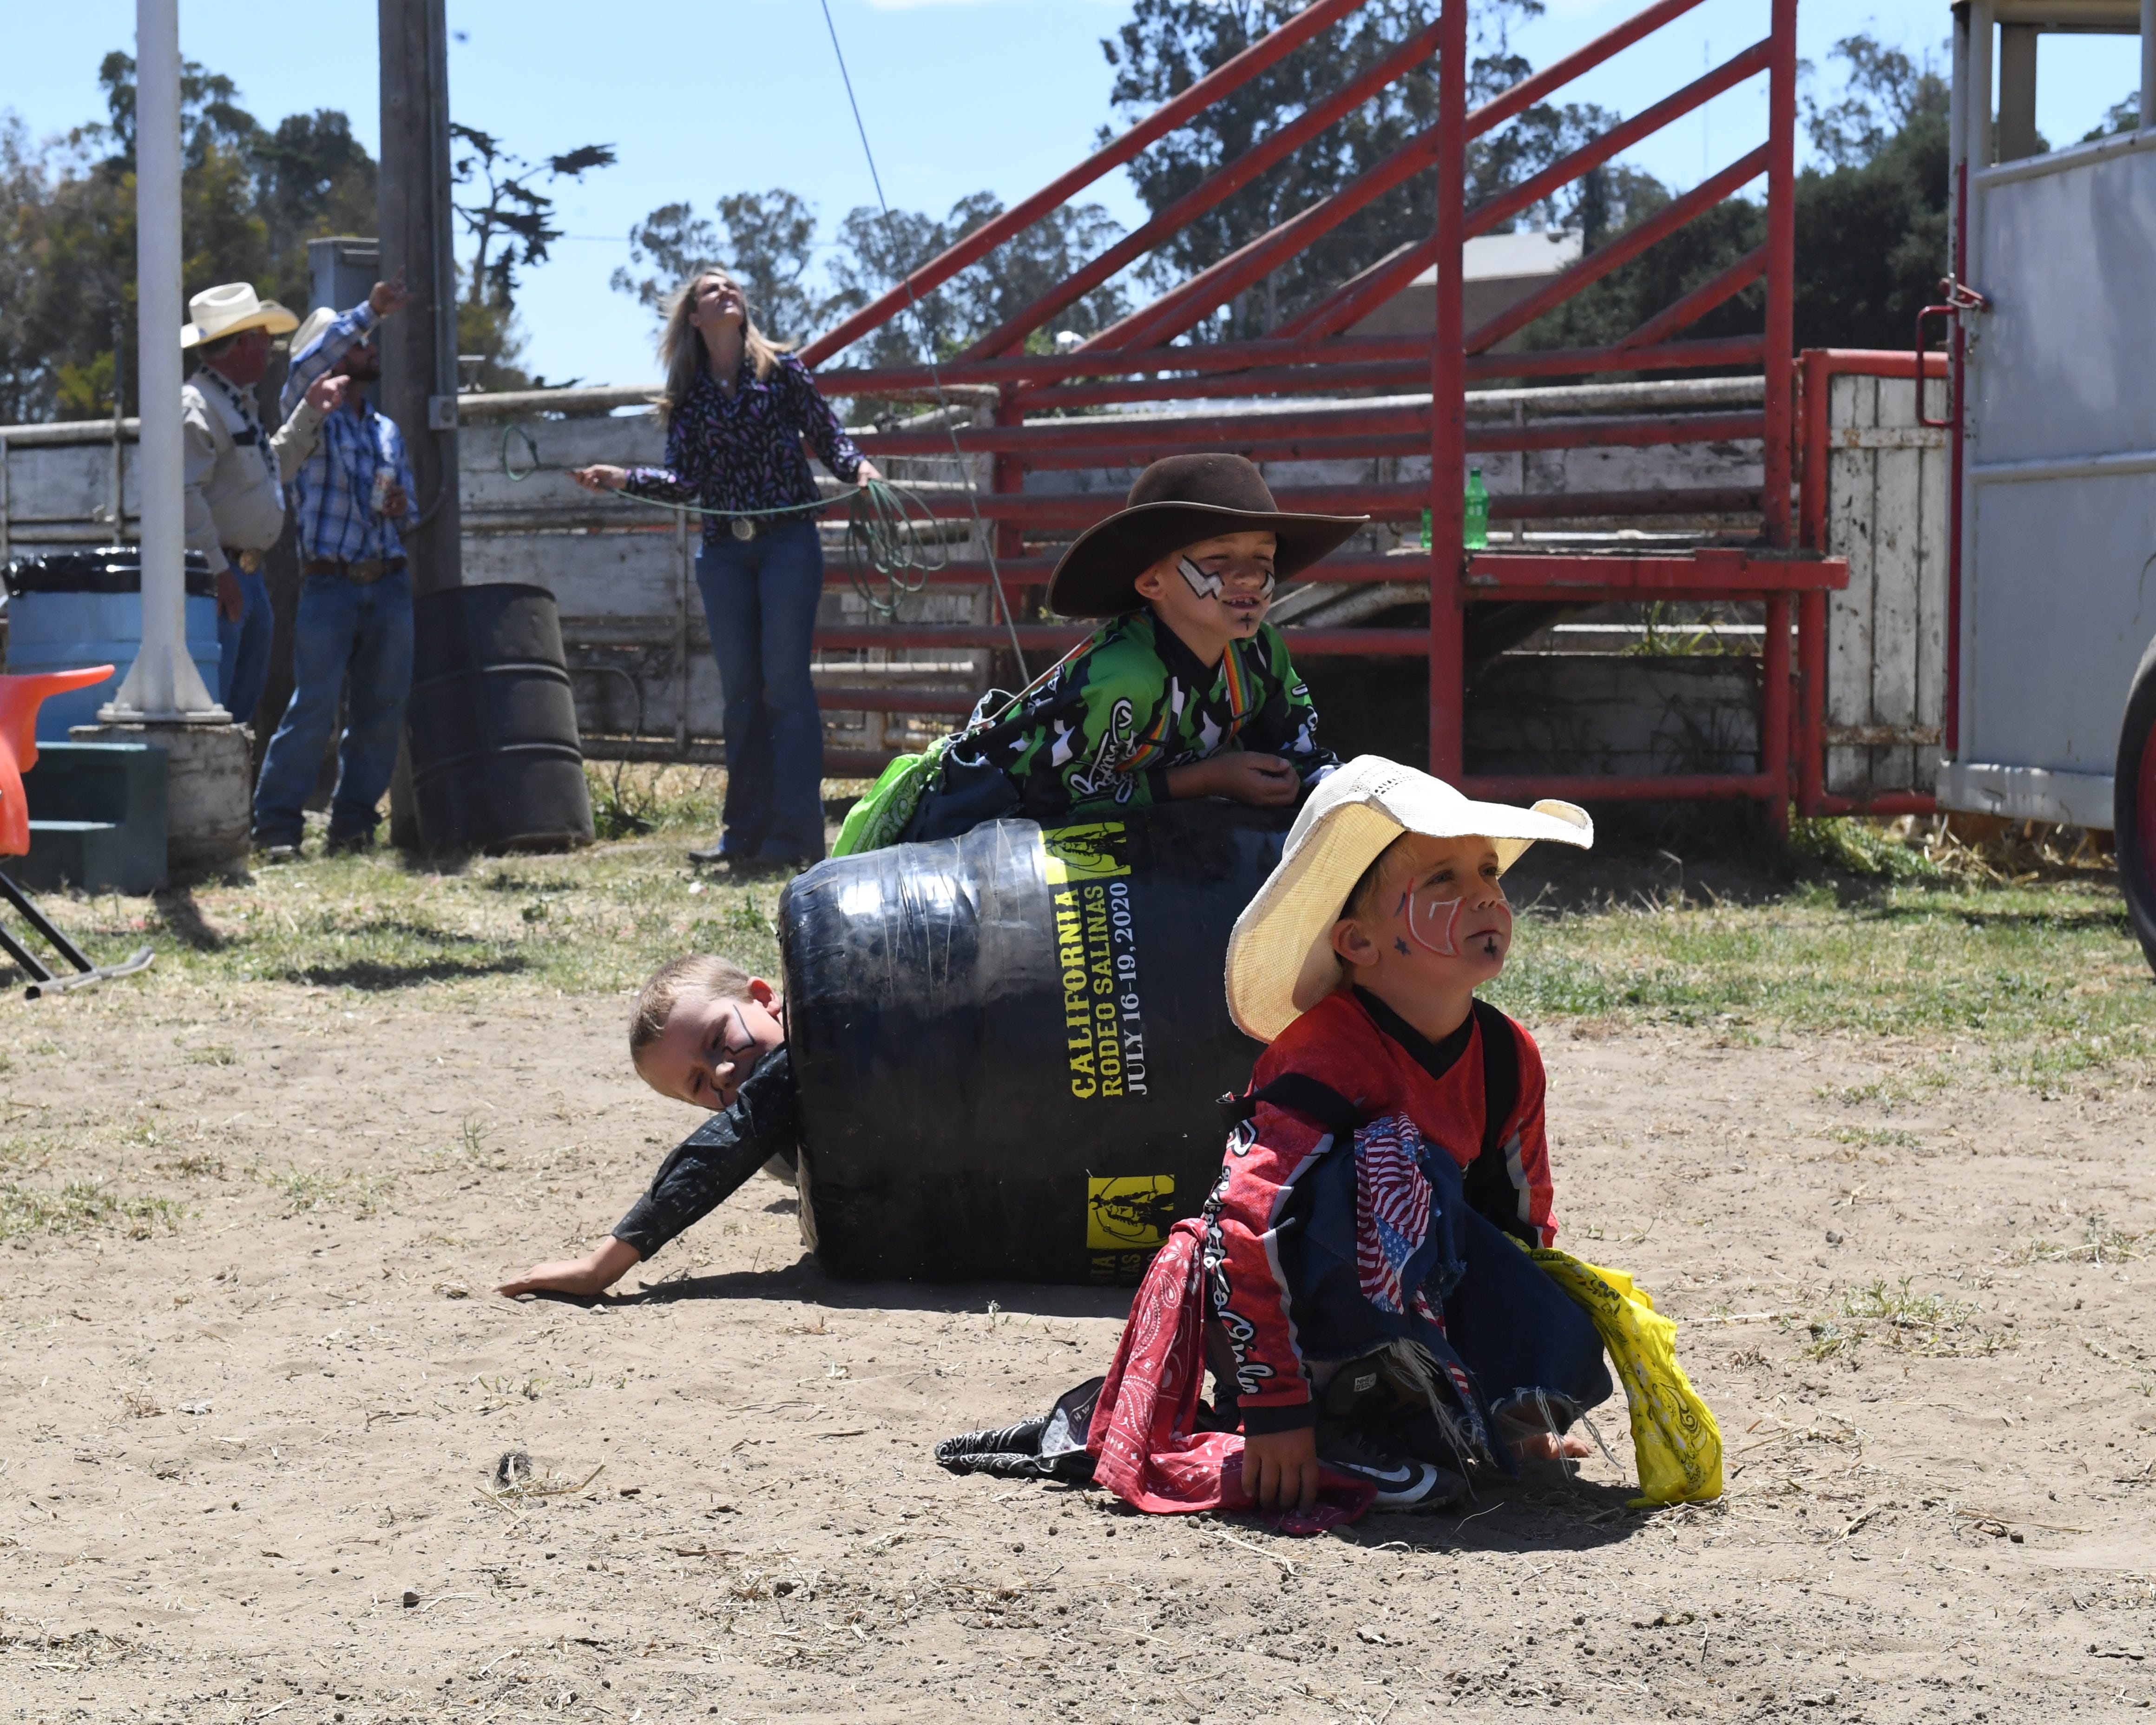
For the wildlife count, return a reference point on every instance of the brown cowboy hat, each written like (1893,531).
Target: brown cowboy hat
(1178,502)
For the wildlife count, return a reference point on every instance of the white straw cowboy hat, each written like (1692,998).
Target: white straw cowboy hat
(220,311)
(1281,961)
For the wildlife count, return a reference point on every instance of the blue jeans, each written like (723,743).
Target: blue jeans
(760,599)
(243,644)
(343,627)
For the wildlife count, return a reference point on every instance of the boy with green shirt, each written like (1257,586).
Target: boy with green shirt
(1186,691)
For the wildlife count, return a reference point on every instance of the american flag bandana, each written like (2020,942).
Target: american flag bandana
(1392,1215)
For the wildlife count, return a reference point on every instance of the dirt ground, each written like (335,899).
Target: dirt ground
(245,1458)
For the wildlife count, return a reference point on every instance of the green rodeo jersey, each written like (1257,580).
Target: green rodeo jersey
(1100,736)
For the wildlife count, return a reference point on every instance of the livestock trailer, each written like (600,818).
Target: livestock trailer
(2051,672)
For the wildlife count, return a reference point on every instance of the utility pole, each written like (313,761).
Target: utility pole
(163,702)
(419,347)
(162,686)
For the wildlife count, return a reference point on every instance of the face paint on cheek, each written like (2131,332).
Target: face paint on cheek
(1206,586)
(1430,922)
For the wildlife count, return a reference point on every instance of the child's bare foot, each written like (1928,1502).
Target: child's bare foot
(1545,1446)
(594,1273)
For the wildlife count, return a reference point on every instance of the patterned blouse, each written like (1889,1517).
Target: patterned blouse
(1099,736)
(743,451)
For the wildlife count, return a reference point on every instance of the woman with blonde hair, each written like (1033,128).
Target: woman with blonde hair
(738,408)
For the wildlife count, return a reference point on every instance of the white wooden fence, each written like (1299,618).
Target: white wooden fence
(1888,482)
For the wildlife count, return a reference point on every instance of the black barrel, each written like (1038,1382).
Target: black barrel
(1008,1045)
(496,763)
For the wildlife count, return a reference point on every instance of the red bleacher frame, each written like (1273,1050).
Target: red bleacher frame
(1135,361)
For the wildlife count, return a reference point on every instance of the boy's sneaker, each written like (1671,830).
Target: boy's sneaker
(1401,1482)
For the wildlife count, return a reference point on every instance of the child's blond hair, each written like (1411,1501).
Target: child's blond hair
(698,973)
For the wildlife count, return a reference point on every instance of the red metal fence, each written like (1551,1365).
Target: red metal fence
(1138,360)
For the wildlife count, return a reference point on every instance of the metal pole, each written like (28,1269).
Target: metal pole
(2147,65)
(1781,270)
(1973,46)
(1774,712)
(1448,438)
(162,684)
(119,420)
(419,348)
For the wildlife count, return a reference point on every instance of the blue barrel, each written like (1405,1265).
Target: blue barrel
(77,608)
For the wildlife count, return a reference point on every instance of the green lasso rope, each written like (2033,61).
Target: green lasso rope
(893,539)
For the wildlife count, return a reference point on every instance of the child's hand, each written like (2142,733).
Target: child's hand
(594,1273)
(1264,781)
(1279,1470)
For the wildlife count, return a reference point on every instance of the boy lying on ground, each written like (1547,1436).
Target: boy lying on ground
(705,1032)
(1370,1327)
(1187,691)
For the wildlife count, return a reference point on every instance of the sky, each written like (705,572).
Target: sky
(701,100)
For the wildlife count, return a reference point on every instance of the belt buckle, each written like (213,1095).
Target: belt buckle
(742,528)
(249,562)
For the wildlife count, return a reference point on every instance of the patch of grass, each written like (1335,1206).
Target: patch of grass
(24,1155)
(79,1205)
(2101,1243)
(2040,979)
(305,1189)
(1872,1135)
(1865,849)
(595,923)
(2045,978)
(621,808)
(215,1054)
(1900,1318)
(1903,1308)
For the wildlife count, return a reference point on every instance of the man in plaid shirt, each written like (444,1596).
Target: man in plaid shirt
(355,615)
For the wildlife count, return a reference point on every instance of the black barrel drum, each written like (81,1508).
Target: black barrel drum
(496,761)
(1008,1044)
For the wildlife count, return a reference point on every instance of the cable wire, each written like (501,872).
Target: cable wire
(935,374)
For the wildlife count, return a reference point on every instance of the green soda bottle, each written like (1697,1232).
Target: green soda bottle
(1475,532)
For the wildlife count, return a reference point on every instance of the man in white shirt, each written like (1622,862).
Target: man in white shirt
(235,499)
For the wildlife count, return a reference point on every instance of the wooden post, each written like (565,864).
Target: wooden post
(419,346)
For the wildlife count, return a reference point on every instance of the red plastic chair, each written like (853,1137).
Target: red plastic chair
(20,698)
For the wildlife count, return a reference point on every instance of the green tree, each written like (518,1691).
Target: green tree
(767,241)
(2124,115)
(1872,232)
(27,379)
(1168,44)
(250,199)
(768,246)
(511,223)
(874,254)
(1871,227)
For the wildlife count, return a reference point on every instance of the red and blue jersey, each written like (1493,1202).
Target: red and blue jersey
(1354,1044)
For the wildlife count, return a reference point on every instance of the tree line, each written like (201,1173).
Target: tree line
(251,196)
(1871,213)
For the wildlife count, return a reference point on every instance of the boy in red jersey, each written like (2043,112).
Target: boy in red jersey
(1328,1277)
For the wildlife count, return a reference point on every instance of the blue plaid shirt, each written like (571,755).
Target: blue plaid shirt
(334,490)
